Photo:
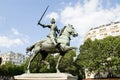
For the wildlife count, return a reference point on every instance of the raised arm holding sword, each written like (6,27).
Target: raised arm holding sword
(53,29)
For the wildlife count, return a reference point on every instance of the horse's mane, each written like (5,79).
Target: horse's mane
(62,30)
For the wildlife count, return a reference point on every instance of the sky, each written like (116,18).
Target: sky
(19,18)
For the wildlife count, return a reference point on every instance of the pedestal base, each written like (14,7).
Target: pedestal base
(45,76)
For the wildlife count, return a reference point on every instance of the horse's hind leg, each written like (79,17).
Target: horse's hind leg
(31,59)
(44,55)
(47,63)
(59,60)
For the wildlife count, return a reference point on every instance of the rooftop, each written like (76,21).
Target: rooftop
(105,25)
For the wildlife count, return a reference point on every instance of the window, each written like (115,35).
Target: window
(115,32)
(94,32)
(105,34)
(101,30)
(114,27)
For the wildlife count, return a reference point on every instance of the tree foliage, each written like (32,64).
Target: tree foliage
(101,55)
(38,66)
(67,65)
(10,69)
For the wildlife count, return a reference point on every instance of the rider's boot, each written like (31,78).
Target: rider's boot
(57,45)
(54,42)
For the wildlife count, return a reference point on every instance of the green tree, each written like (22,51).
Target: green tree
(10,69)
(101,55)
(3,70)
(39,67)
(67,63)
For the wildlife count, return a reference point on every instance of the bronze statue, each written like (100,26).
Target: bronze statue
(53,29)
(53,43)
(47,46)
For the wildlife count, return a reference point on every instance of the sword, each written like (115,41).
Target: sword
(43,14)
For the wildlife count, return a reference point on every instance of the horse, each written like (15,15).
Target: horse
(45,47)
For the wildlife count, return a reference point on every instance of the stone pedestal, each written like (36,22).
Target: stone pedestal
(45,76)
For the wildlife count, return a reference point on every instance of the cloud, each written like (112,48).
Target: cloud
(91,13)
(15,32)
(53,15)
(8,42)
(14,39)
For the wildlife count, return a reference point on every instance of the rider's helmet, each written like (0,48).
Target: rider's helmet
(52,20)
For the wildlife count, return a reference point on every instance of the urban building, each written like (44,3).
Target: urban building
(102,31)
(15,58)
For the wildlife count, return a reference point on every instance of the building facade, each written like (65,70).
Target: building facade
(102,31)
(15,58)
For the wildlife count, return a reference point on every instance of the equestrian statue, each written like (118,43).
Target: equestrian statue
(54,43)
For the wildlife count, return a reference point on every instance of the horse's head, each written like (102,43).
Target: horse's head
(72,30)
(66,33)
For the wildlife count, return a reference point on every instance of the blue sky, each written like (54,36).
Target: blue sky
(18,19)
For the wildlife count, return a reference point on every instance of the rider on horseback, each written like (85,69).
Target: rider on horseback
(53,29)
(52,35)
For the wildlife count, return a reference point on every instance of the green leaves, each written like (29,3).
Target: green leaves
(10,69)
(94,54)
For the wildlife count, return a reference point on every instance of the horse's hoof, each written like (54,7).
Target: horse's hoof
(28,71)
(48,67)
(58,71)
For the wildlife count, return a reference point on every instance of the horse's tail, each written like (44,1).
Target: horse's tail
(28,49)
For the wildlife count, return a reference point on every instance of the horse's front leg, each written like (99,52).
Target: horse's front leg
(31,59)
(58,62)
(44,55)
